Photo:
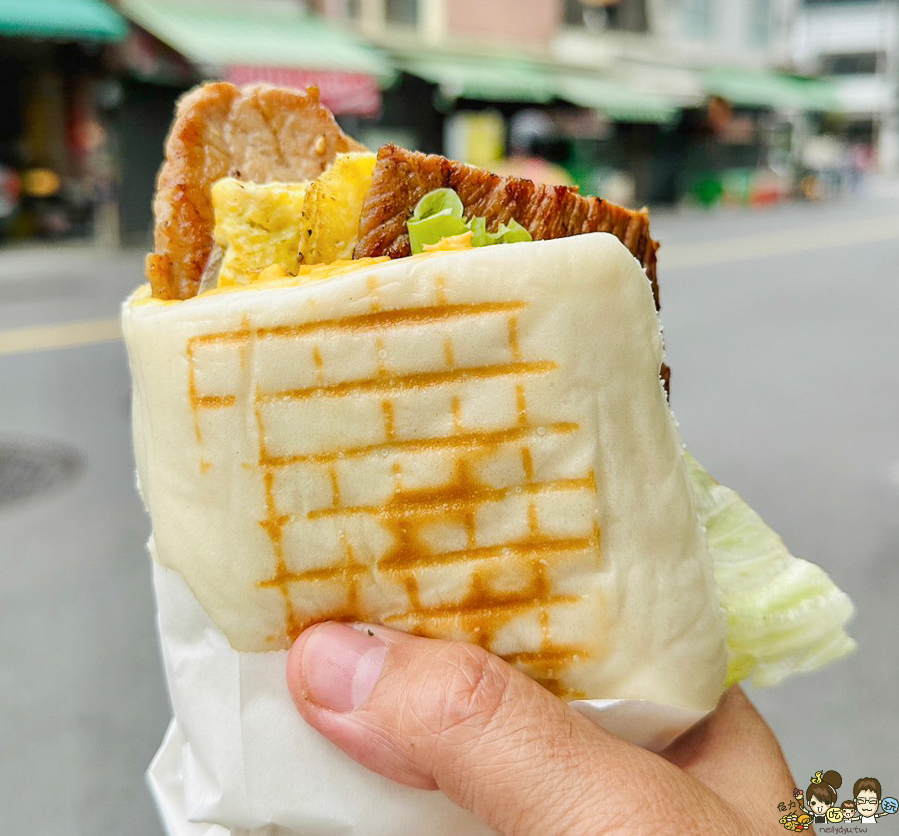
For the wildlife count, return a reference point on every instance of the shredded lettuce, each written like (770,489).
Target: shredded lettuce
(439,215)
(433,229)
(506,233)
(784,614)
(437,202)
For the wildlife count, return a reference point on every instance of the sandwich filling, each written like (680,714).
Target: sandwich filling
(275,232)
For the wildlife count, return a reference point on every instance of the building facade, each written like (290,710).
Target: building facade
(856,43)
(752,33)
(644,70)
(57,166)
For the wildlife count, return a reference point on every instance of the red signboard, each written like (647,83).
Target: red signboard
(354,94)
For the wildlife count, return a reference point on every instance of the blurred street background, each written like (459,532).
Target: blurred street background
(764,136)
(663,102)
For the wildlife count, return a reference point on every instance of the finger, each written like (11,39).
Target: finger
(447,715)
(735,753)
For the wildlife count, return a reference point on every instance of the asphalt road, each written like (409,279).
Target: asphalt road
(782,336)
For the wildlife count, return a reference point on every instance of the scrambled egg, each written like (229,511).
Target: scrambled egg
(256,225)
(450,243)
(332,209)
(289,224)
(276,274)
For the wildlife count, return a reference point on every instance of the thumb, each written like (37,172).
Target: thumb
(452,716)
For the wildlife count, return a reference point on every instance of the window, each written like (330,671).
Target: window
(402,11)
(760,23)
(696,19)
(853,63)
(614,15)
(574,13)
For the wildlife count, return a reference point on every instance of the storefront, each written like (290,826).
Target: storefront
(57,167)
(545,121)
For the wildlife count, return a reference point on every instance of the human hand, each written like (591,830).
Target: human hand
(450,716)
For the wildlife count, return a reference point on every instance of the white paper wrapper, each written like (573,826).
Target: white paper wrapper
(238,759)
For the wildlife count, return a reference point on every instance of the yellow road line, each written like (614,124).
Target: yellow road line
(774,244)
(63,335)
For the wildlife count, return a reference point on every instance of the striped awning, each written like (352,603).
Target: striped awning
(769,89)
(488,78)
(76,20)
(272,42)
(615,98)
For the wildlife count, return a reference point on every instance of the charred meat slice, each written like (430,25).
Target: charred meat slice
(256,133)
(401,178)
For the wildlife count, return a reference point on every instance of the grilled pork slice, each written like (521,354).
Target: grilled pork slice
(401,178)
(255,133)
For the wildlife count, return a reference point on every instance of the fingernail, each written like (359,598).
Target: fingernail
(341,666)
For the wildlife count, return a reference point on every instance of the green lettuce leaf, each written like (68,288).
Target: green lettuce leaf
(433,229)
(784,614)
(505,234)
(439,215)
(437,202)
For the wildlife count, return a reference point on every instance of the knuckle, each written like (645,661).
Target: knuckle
(462,691)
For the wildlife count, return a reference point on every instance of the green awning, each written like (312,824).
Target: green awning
(494,79)
(88,20)
(615,99)
(505,79)
(768,89)
(220,33)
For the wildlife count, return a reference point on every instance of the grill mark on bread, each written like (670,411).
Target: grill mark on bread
(526,548)
(448,500)
(484,608)
(459,441)
(411,382)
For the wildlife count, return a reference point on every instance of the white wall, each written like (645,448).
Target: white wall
(840,28)
(732,40)
(729,41)
(865,94)
(845,27)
